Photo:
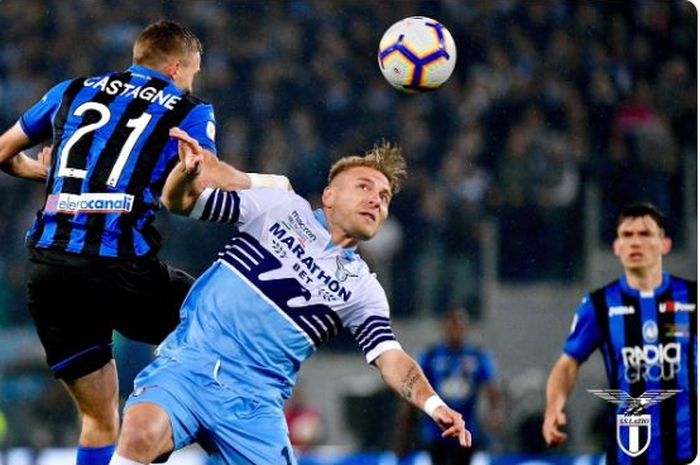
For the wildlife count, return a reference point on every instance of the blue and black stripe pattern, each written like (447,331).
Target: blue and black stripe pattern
(649,363)
(374,330)
(221,207)
(244,253)
(98,133)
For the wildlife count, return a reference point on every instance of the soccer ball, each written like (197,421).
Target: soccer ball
(417,54)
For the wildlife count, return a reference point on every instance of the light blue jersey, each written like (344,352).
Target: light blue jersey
(278,290)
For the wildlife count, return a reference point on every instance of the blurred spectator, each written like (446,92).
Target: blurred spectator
(538,85)
(304,422)
(459,372)
(546,96)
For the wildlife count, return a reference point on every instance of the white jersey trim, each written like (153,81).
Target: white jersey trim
(381,348)
(201,202)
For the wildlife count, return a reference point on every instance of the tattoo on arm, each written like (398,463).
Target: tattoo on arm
(409,381)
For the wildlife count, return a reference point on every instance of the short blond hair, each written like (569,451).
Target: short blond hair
(384,157)
(162,41)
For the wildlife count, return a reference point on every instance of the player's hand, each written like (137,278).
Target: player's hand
(44,156)
(452,425)
(553,421)
(189,151)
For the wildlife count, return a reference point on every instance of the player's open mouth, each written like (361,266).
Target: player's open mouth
(369,215)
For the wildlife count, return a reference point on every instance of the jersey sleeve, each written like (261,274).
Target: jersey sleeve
(585,336)
(36,121)
(487,368)
(200,124)
(219,206)
(369,322)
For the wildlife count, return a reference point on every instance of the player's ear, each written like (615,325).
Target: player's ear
(327,197)
(666,245)
(617,247)
(172,68)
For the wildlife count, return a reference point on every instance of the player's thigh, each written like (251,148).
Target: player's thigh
(153,295)
(250,431)
(67,305)
(163,383)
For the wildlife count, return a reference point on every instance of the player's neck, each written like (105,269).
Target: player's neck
(645,280)
(338,235)
(342,240)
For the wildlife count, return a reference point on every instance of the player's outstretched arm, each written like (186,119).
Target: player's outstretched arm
(198,169)
(403,375)
(16,163)
(561,381)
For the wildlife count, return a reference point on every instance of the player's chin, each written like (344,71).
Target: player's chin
(635,265)
(365,234)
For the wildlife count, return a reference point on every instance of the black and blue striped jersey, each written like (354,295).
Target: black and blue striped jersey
(111,155)
(648,342)
(458,376)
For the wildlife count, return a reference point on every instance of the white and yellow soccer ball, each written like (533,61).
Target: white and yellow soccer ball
(417,54)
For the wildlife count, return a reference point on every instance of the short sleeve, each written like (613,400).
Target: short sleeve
(585,336)
(36,122)
(487,371)
(200,124)
(221,206)
(369,322)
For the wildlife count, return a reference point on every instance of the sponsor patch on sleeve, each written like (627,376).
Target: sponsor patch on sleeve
(211,130)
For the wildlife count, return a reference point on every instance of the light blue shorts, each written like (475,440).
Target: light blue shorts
(230,424)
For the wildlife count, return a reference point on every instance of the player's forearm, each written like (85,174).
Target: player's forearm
(561,382)
(404,376)
(22,166)
(221,175)
(181,190)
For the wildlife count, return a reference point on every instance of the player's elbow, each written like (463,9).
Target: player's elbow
(178,204)
(11,166)
(6,166)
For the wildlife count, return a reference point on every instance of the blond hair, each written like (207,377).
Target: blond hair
(384,157)
(162,41)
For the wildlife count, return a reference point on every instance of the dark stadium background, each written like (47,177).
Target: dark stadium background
(558,113)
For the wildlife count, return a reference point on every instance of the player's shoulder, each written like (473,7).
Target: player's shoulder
(287,198)
(195,101)
(354,274)
(688,282)
(370,276)
(287,206)
(61,86)
(602,290)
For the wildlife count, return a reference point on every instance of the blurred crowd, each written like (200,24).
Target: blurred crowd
(547,95)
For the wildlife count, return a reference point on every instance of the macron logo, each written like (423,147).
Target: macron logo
(89,203)
(620,310)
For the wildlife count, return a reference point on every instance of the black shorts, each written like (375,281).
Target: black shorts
(77,305)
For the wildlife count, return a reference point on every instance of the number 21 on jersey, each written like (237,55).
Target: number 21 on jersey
(138,125)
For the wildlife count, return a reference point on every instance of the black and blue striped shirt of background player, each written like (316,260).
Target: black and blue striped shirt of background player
(99,117)
(616,318)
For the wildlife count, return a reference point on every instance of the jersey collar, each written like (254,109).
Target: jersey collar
(350,253)
(666,280)
(148,72)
